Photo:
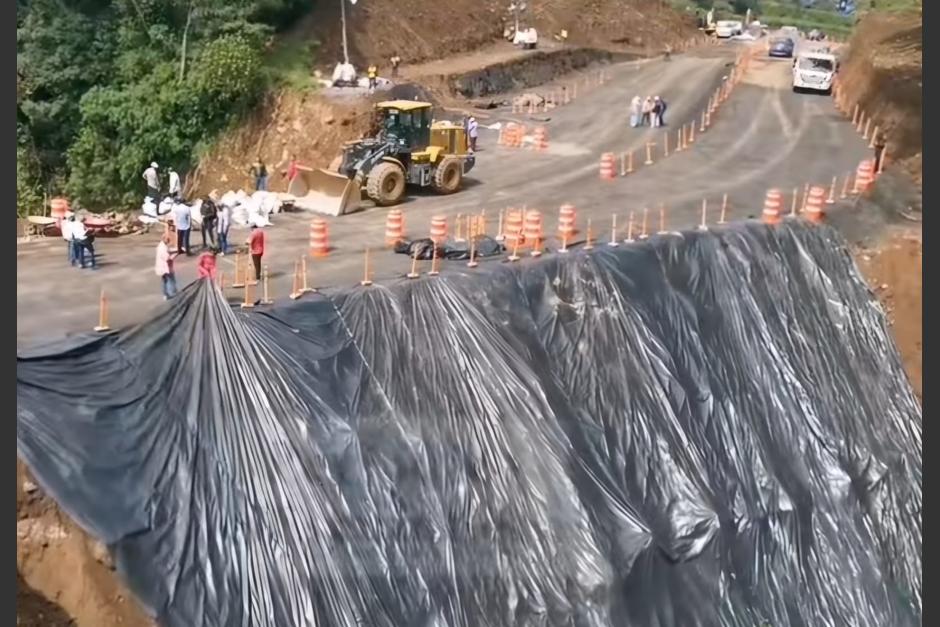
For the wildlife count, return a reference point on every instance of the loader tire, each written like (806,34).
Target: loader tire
(448,175)
(386,184)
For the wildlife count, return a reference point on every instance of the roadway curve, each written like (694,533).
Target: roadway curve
(764,136)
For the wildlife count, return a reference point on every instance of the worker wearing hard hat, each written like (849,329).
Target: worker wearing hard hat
(373,74)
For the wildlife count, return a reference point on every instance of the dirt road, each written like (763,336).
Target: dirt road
(765,136)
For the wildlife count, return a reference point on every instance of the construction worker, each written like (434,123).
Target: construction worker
(879,151)
(396,61)
(174,184)
(472,132)
(153,182)
(373,73)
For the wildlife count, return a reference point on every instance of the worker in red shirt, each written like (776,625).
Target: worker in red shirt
(256,248)
(206,267)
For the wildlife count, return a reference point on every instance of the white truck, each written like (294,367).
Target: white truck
(725,29)
(814,71)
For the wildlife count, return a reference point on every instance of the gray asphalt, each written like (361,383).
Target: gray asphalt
(763,136)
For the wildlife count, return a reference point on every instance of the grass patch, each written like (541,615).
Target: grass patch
(289,65)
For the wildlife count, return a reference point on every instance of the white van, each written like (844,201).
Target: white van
(728,28)
(814,71)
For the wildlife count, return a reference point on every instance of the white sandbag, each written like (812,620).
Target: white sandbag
(149,208)
(165,206)
(229,199)
(195,212)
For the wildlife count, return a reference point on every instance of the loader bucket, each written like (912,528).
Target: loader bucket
(322,191)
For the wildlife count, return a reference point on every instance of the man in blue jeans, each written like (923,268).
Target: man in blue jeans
(83,240)
(182,217)
(164,268)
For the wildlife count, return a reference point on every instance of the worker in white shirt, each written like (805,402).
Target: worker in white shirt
(83,241)
(174,184)
(472,132)
(153,182)
(66,227)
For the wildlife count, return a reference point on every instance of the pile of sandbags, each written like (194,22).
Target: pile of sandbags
(254,209)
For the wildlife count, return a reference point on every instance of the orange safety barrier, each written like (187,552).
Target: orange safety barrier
(608,170)
(864,176)
(394,227)
(519,136)
(532,231)
(438,229)
(513,228)
(319,238)
(773,203)
(541,139)
(566,216)
(814,204)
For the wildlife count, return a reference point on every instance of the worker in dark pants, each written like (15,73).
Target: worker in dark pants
(396,61)
(256,248)
(879,152)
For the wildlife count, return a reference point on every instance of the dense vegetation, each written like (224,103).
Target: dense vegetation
(106,86)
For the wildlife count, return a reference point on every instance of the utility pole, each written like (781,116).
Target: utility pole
(342,14)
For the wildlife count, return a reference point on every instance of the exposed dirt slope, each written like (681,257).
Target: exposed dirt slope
(310,126)
(419,30)
(894,270)
(64,578)
(883,72)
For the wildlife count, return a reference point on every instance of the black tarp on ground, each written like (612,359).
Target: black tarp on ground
(706,429)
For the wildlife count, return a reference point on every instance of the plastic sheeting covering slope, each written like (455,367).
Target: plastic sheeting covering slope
(706,429)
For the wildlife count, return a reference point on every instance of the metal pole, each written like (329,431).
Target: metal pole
(342,13)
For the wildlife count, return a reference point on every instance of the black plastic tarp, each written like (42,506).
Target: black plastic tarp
(711,428)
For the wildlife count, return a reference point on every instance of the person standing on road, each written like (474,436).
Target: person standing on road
(879,152)
(174,186)
(654,114)
(209,214)
(182,216)
(164,268)
(472,132)
(647,111)
(636,111)
(373,74)
(256,248)
(260,173)
(83,240)
(66,227)
(224,219)
(396,61)
(662,111)
(153,182)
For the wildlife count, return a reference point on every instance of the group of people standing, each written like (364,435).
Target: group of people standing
(647,112)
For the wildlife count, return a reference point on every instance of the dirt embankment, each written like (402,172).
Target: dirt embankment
(64,578)
(419,30)
(883,72)
(309,126)
(894,270)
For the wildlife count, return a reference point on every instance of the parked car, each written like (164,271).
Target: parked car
(782,47)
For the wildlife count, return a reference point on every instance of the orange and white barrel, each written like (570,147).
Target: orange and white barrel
(608,170)
(319,238)
(532,227)
(864,176)
(59,207)
(438,229)
(773,206)
(512,229)
(566,217)
(394,227)
(814,204)
(541,139)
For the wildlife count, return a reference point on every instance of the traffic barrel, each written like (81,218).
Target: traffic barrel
(608,170)
(541,139)
(394,227)
(513,228)
(814,204)
(864,176)
(566,216)
(438,229)
(319,238)
(532,230)
(773,204)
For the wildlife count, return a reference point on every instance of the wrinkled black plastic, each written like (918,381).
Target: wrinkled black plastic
(425,248)
(706,429)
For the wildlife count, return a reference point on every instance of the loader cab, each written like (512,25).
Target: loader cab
(407,122)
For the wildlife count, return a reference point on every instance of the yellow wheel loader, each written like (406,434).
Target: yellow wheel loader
(407,149)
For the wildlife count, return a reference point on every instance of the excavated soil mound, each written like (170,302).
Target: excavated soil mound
(883,72)
(419,30)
